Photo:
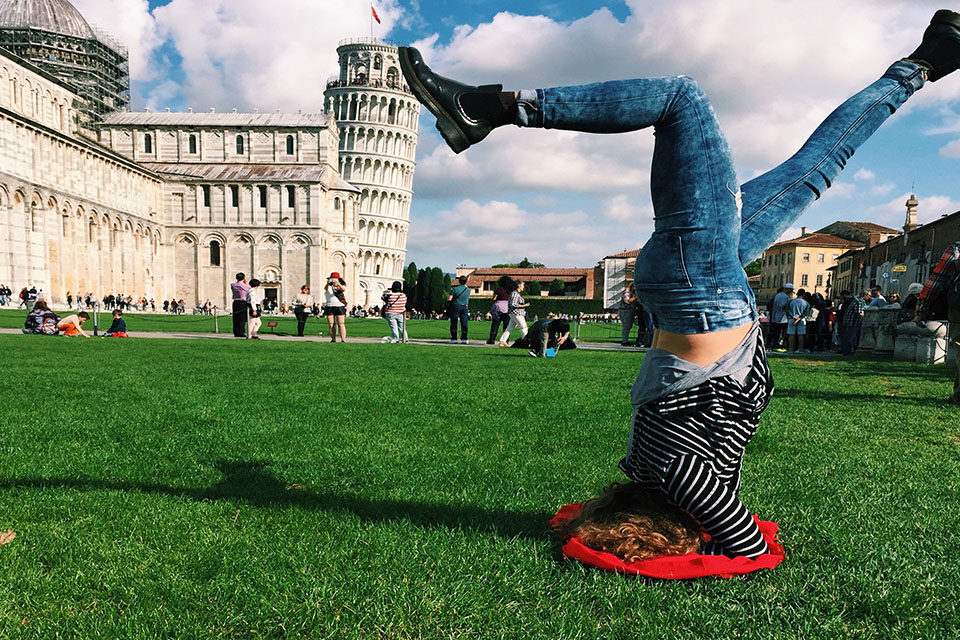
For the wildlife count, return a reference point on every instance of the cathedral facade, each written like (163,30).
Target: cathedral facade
(172,205)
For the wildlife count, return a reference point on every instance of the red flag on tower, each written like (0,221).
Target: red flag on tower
(374,12)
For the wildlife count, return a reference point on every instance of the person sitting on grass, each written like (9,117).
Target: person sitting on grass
(41,320)
(701,389)
(118,328)
(546,337)
(73,325)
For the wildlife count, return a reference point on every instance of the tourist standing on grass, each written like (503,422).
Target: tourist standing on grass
(701,389)
(945,282)
(254,310)
(798,308)
(779,317)
(394,310)
(629,314)
(499,310)
(850,322)
(302,304)
(335,307)
(458,308)
(239,291)
(517,310)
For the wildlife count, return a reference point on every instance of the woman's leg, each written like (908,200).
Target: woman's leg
(511,323)
(330,324)
(342,326)
(774,200)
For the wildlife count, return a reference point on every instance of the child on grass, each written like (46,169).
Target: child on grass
(702,387)
(118,328)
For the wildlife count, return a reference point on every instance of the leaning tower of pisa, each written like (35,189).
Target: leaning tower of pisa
(377,117)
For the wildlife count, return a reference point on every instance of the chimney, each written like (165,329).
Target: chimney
(803,231)
(911,222)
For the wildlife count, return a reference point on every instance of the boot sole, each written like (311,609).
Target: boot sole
(455,138)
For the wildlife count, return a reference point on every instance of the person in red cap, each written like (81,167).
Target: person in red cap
(335,306)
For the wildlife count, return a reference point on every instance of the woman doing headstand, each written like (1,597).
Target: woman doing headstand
(705,382)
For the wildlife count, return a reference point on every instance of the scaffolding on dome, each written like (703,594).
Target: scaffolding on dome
(98,68)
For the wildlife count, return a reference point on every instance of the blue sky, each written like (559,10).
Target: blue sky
(773,71)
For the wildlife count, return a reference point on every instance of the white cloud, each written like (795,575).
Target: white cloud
(130,22)
(277,55)
(485,233)
(951,150)
(864,175)
(790,234)
(883,189)
(893,212)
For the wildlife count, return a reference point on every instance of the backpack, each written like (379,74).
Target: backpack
(48,324)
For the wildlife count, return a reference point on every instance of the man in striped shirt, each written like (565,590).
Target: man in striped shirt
(945,281)
(394,310)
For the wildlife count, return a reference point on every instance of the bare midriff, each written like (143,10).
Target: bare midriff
(700,348)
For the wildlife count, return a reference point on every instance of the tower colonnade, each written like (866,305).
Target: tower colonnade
(377,117)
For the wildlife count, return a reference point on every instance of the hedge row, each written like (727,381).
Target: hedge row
(541,306)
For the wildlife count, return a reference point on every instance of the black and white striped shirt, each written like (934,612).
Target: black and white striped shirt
(689,444)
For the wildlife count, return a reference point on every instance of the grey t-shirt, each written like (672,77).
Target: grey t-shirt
(663,373)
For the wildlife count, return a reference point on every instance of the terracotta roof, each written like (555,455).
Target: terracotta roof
(625,254)
(818,240)
(507,271)
(478,277)
(868,226)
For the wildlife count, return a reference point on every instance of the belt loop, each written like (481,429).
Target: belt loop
(703,321)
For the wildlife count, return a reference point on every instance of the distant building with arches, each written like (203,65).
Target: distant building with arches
(172,205)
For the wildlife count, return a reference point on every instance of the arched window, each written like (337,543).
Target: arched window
(147,143)
(193,143)
(206,194)
(336,204)
(240,145)
(377,62)
(214,253)
(393,78)
(289,145)
(234,195)
(291,197)
(263,196)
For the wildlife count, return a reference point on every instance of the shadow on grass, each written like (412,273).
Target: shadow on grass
(252,483)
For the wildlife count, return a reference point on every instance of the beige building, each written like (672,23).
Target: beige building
(172,205)
(803,261)
(246,192)
(74,216)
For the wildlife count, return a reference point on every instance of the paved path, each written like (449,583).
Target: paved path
(590,346)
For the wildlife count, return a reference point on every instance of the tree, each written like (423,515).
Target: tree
(410,284)
(438,295)
(753,269)
(557,287)
(533,288)
(447,282)
(423,288)
(523,264)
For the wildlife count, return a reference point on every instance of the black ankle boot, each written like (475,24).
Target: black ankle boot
(465,114)
(940,49)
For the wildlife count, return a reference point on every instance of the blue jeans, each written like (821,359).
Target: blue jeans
(690,275)
(396,323)
(459,313)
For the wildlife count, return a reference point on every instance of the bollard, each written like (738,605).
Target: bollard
(216,320)
(96,318)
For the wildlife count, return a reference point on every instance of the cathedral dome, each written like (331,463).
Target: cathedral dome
(56,16)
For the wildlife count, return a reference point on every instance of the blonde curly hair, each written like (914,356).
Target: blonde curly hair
(634,524)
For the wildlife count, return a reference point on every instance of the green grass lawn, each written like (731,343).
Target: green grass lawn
(365,327)
(214,489)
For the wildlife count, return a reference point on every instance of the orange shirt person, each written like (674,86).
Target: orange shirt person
(73,325)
